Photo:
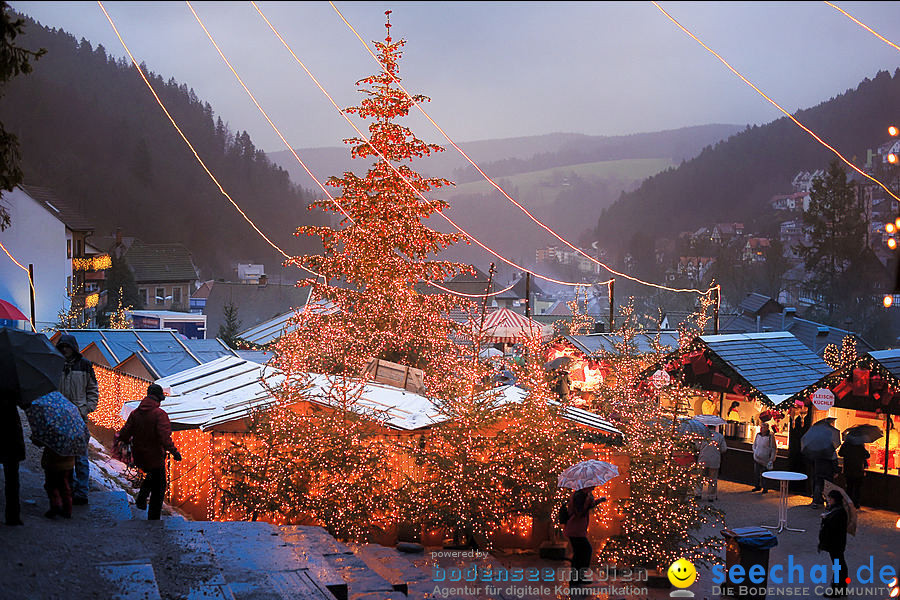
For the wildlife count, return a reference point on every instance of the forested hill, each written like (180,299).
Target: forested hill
(734,180)
(677,144)
(90,129)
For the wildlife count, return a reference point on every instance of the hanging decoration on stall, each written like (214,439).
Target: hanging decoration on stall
(822,399)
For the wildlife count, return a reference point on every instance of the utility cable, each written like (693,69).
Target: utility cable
(492,182)
(863,25)
(775,104)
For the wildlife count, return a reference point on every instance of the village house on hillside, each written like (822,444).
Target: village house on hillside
(165,274)
(50,233)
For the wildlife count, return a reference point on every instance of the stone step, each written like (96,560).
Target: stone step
(391,565)
(255,563)
(308,546)
(360,578)
(130,580)
(109,506)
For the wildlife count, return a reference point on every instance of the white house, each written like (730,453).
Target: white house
(36,236)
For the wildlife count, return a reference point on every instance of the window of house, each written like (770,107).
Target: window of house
(160,295)
(79,248)
(69,285)
(142,292)
(176,295)
(68,248)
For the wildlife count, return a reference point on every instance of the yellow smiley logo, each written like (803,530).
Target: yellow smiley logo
(682,573)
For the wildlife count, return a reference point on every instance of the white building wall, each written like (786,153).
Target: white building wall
(37,237)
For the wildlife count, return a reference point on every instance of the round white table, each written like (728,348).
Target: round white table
(784,477)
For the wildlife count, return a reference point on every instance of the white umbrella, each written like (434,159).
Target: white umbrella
(588,473)
(710,419)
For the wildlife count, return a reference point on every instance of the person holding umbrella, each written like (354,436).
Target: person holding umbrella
(819,445)
(833,539)
(583,478)
(29,368)
(12,452)
(79,385)
(150,432)
(854,453)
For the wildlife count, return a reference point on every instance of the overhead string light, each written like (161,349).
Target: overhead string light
(863,25)
(775,104)
(483,174)
(363,136)
(191,146)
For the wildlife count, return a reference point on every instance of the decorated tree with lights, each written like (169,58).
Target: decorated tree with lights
(838,358)
(661,516)
(537,442)
(382,248)
(363,307)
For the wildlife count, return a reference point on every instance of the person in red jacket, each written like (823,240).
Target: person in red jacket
(150,433)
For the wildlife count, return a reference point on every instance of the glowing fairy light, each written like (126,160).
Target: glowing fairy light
(360,133)
(892,158)
(867,28)
(890,227)
(892,243)
(893,131)
(888,302)
(544,226)
(776,105)
(187,142)
(27,273)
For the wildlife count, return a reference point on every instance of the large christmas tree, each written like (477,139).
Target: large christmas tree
(382,247)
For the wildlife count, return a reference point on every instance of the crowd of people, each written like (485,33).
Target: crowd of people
(67,477)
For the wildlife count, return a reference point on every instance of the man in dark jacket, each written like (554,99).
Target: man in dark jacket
(12,452)
(150,433)
(855,464)
(79,385)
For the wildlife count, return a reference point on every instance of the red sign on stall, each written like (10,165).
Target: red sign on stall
(822,399)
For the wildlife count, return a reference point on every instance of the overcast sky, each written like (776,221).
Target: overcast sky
(502,69)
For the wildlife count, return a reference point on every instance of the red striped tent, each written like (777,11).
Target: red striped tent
(506,326)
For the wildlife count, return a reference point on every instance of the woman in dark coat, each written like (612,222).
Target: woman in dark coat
(580,505)
(833,539)
(12,452)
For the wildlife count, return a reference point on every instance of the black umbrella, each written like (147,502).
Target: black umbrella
(820,441)
(559,362)
(29,365)
(862,434)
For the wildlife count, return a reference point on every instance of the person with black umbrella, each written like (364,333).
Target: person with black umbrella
(29,368)
(854,453)
(12,452)
(819,445)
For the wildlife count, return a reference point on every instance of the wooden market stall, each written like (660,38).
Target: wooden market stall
(583,368)
(209,407)
(745,379)
(867,392)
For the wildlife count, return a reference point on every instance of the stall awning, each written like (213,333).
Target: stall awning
(776,366)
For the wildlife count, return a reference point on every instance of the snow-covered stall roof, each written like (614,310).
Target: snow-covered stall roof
(229,388)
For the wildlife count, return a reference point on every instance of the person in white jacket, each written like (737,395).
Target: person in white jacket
(764,450)
(710,458)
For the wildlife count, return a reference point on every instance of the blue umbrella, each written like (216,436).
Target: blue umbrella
(56,423)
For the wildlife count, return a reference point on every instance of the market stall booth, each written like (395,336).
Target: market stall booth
(866,392)
(746,379)
(577,361)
